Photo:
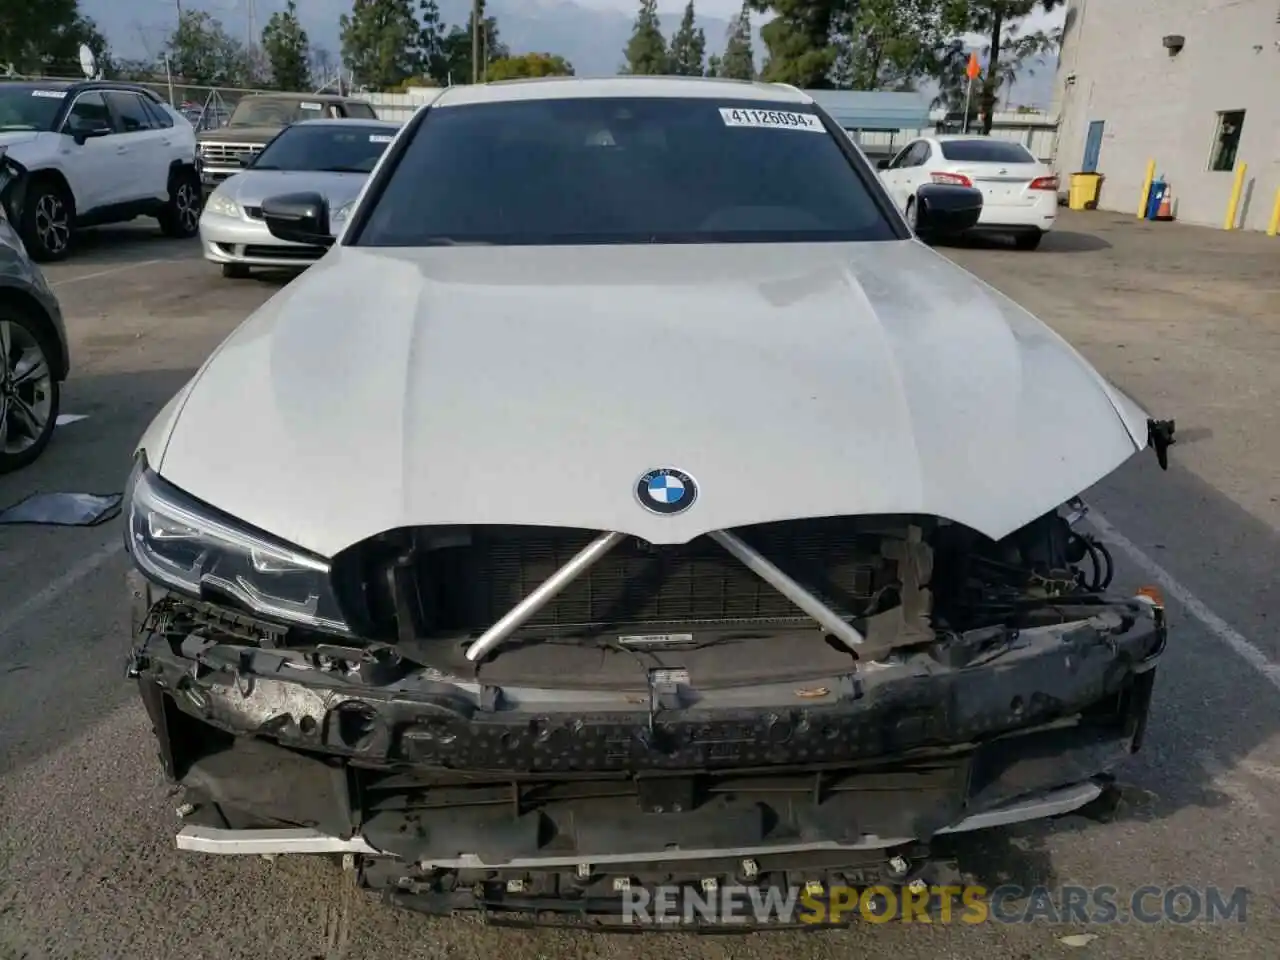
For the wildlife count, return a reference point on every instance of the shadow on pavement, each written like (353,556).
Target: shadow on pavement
(1055,241)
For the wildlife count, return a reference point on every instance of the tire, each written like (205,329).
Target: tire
(29,391)
(48,216)
(911,214)
(235,271)
(1028,241)
(180,218)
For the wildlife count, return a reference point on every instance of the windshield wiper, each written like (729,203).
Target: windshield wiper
(342,170)
(266,166)
(17,126)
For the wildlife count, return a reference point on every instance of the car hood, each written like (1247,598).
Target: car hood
(238,134)
(253,186)
(535,385)
(11,138)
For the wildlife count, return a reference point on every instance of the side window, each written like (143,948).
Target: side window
(925,152)
(911,156)
(160,118)
(89,113)
(130,111)
(902,158)
(357,110)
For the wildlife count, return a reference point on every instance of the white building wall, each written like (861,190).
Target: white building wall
(1162,107)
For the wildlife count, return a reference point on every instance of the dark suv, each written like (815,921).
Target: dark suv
(259,117)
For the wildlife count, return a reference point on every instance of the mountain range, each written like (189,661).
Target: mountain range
(588,34)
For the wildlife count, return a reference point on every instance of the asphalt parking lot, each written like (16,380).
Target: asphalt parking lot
(1186,320)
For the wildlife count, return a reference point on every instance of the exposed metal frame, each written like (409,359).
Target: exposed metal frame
(584,559)
(216,840)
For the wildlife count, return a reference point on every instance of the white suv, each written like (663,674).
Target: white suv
(91,153)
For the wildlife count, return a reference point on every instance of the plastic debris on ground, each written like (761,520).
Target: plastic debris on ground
(64,509)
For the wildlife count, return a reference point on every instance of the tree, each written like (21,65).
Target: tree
(379,41)
(530,65)
(688,46)
(646,51)
(431,58)
(45,37)
(800,40)
(890,44)
(457,49)
(202,52)
(287,49)
(739,61)
(714,66)
(998,21)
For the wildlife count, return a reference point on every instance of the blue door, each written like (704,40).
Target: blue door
(1092,146)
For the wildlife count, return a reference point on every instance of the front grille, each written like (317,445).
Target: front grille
(259,251)
(227,153)
(470,587)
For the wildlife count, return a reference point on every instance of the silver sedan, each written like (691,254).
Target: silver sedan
(331,157)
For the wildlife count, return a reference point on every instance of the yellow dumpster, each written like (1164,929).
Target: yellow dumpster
(1083,194)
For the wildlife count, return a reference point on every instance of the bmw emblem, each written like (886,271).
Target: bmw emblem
(666,491)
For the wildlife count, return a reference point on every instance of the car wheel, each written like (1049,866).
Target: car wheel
(29,393)
(181,216)
(913,217)
(1028,241)
(46,222)
(235,271)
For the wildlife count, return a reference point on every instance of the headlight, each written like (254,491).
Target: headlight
(195,550)
(222,205)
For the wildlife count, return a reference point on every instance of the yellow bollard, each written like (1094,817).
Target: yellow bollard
(1274,227)
(1234,203)
(1146,189)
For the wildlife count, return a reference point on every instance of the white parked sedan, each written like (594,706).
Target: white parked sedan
(1019,193)
(627,494)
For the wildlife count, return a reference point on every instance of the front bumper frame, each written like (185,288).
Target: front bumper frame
(885,760)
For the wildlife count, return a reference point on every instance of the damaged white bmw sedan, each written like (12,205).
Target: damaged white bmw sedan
(628,497)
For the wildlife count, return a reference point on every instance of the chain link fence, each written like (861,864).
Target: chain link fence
(209,107)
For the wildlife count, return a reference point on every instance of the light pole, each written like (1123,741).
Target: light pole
(477,10)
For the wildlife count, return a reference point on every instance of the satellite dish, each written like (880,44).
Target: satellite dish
(88,62)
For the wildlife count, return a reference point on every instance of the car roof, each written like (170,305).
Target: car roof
(566,88)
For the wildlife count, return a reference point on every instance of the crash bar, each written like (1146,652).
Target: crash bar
(217,840)
(755,561)
(518,615)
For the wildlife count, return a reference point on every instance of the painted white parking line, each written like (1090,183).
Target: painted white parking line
(120,269)
(1228,634)
(54,589)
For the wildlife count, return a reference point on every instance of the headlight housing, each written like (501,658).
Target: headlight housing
(197,551)
(222,205)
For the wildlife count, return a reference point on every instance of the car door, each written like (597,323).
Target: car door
(95,170)
(142,143)
(898,175)
(916,171)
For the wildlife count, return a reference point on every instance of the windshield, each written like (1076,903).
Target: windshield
(266,112)
(634,170)
(986,151)
(331,146)
(28,108)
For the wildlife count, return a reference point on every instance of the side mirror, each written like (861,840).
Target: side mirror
(246,159)
(883,163)
(946,210)
(83,134)
(298,218)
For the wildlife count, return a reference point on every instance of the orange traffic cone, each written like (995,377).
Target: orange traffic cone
(1166,205)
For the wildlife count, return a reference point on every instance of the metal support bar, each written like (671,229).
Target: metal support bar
(217,840)
(544,594)
(753,560)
